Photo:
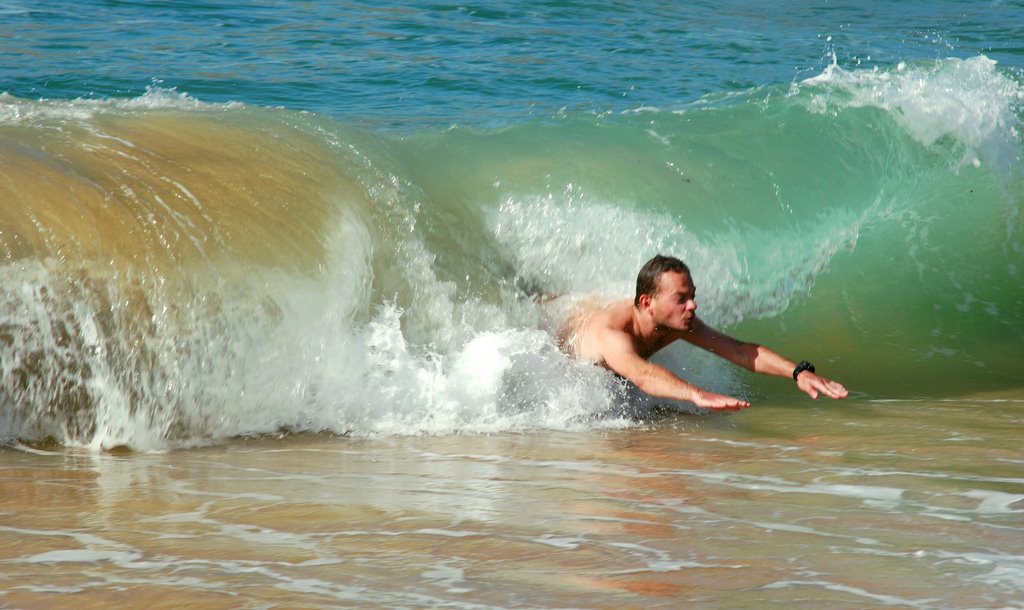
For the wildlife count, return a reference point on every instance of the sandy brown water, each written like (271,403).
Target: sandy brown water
(860,504)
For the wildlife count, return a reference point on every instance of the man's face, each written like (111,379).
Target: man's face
(673,305)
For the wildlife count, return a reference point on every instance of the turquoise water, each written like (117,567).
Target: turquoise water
(210,207)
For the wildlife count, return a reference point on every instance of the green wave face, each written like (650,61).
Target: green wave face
(869,221)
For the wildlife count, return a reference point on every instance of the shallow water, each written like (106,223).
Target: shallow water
(860,504)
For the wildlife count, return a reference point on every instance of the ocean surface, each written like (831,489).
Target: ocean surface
(268,335)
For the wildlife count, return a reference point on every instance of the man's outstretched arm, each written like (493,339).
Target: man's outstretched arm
(619,355)
(760,359)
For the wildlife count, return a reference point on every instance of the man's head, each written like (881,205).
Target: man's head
(650,273)
(665,291)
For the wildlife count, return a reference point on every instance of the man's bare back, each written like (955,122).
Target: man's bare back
(621,336)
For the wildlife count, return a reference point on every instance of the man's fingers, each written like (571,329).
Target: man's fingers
(829,388)
(833,389)
(727,404)
(736,406)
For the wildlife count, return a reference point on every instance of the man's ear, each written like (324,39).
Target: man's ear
(645,301)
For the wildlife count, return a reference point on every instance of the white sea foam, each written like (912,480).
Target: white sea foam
(889,600)
(20,111)
(997,502)
(875,495)
(968,100)
(84,556)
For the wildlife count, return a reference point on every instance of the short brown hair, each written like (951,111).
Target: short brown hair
(647,279)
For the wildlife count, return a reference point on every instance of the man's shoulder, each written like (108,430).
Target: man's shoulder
(615,331)
(617,315)
(600,328)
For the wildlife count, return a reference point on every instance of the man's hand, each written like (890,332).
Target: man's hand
(812,385)
(717,402)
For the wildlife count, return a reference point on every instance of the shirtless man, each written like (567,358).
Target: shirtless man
(623,335)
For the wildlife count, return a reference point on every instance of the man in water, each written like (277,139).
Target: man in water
(623,335)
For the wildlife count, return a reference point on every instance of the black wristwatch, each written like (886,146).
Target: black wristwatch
(800,368)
